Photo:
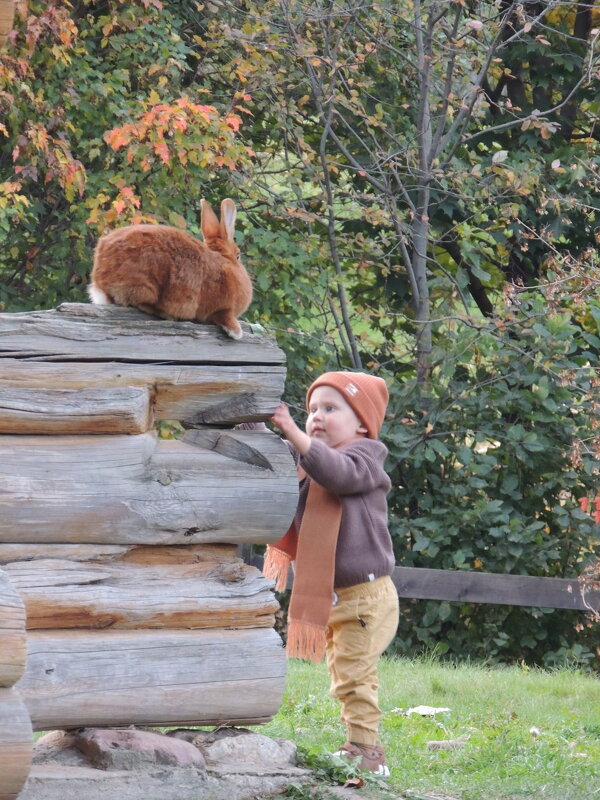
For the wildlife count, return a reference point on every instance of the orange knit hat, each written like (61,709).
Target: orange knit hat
(367,395)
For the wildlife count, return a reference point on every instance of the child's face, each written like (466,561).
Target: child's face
(331,419)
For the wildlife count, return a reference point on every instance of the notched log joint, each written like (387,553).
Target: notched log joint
(240,406)
(229,446)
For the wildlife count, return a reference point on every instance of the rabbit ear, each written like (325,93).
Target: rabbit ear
(228,212)
(209,224)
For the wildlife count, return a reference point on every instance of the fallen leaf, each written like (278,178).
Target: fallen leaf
(354,783)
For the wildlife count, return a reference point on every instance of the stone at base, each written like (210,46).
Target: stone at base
(130,748)
(61,771)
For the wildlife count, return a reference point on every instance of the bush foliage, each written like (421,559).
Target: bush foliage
(490,464)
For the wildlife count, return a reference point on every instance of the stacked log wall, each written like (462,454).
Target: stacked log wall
(123,545)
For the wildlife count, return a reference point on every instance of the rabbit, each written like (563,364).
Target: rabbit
(167,272)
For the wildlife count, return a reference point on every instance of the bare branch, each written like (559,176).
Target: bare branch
(447,88)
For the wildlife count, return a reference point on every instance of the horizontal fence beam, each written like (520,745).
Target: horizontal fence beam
(461,586)
(486,587)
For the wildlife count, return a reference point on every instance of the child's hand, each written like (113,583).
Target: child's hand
(283,420)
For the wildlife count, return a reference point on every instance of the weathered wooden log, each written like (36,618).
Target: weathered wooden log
(141,490)
(16,735)
(110,410)
(69,594)
(50,397)
(103,369)
(207,677)
(204,556)
(7,12)
(13,649)
(16,744)
(83,332)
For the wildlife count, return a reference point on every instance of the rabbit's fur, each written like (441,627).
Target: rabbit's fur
(166,272)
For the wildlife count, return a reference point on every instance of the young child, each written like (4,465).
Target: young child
(344,604)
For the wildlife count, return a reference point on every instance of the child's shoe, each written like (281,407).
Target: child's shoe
(372,757)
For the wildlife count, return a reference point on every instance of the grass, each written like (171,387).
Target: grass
(528,733)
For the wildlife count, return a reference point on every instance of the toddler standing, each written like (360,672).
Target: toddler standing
(344,604)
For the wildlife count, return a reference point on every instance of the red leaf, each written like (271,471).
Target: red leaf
(161,149)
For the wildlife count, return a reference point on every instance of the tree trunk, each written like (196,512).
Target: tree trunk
(420,227)
(421,302)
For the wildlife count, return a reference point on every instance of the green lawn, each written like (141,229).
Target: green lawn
(527,733)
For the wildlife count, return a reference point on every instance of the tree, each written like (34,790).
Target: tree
(392,113)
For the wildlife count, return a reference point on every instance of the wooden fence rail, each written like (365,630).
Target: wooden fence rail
(486,587)
(460,586)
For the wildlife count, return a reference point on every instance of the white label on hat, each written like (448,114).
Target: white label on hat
(351,389)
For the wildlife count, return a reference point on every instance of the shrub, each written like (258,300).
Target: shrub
(489,464)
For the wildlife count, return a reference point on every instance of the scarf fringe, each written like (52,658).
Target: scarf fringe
(277,566)
(305,640)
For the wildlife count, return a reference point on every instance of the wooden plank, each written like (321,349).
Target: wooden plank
(13,648)
(74,594)
(141,490)
(84,332)
(16,744)
(72,411)
(195,395)
(486,587)
(419,583)
(208,677)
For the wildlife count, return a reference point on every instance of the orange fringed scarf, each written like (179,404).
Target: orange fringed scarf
(313,550)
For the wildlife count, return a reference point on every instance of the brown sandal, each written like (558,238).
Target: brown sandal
(372,757)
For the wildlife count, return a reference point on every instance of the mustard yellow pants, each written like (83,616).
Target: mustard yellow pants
(361,625)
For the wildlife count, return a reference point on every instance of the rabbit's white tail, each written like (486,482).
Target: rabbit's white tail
(97,296)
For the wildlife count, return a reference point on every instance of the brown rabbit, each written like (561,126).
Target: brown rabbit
(167,272)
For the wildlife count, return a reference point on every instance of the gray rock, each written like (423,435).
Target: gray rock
(54,782)
(202,738)
(58,747)
(251,749)
(139,765)
(128,749)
